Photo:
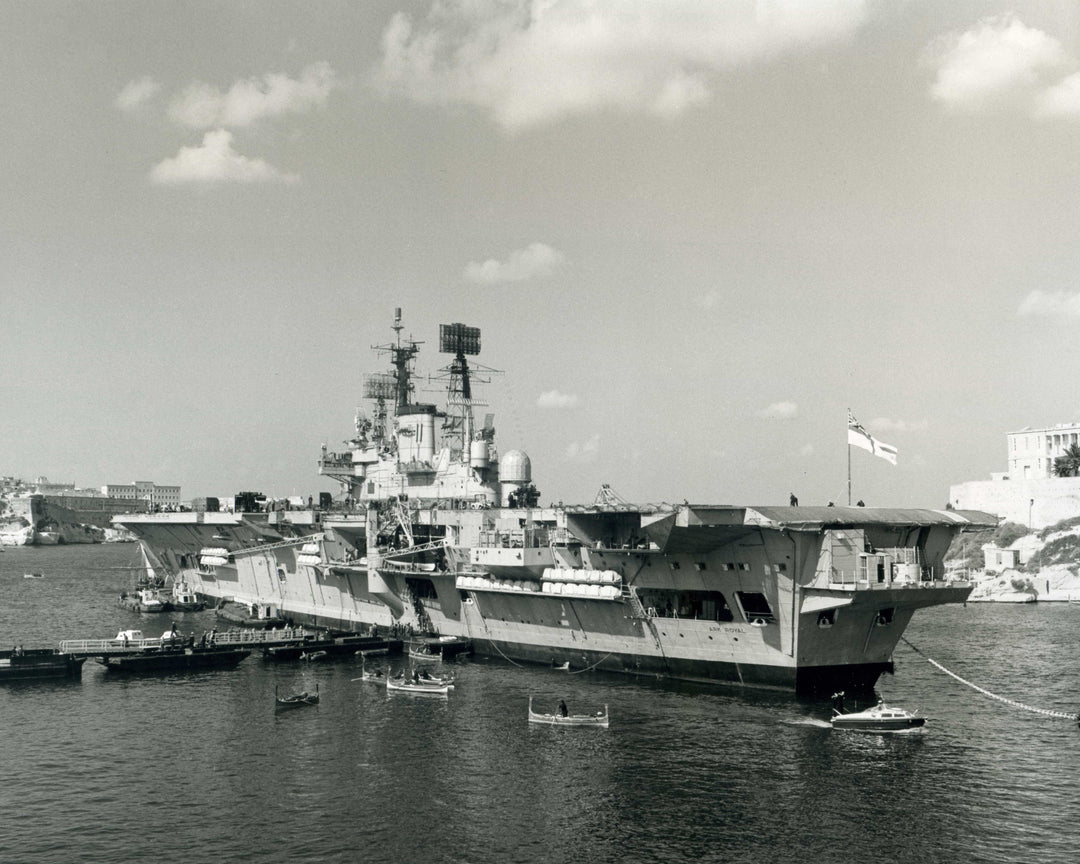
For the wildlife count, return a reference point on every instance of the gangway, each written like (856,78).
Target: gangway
(118,647)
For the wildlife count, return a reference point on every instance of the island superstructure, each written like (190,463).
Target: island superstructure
(435,531)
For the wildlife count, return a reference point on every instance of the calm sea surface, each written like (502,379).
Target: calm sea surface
(196,767)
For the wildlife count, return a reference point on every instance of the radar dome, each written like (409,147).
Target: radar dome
(515,467)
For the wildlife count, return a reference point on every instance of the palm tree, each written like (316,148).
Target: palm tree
(1068,463)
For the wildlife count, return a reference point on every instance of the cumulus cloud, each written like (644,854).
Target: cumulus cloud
(584,450)
(537,259)
(999,63)
(780,411)
(1050,304)
(535,61)
(213,162)
(137,92)
(201,105)
(1061,100)
(555,399)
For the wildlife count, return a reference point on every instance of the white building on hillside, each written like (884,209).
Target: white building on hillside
(1032,451)
(159,497)
(1028,493)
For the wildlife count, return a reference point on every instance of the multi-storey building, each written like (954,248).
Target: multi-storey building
(1028,493)
(157,497)
(1032,451)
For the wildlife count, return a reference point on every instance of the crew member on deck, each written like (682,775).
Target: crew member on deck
(563,711)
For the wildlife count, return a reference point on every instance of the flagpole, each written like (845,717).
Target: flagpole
(849,461)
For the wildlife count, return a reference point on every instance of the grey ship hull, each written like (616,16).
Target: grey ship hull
(781,598)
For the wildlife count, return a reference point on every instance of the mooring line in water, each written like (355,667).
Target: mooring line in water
(594,665)
(507,659)
(1045,711)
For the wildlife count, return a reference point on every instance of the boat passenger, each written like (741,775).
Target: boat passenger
(563,711)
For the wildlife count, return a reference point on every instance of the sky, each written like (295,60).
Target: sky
(694,235)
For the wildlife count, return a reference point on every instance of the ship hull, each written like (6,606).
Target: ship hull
(752,603)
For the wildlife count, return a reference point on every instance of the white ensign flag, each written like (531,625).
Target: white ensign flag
(859,437)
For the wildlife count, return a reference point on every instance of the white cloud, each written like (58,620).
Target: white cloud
(1050,304)
(999,63)
(535,61)
(1061,100)
(537,259)
(201,106)
(780,411)
(215,162)
(135,93)
(886,424)
(584,451)
(555,399)
(806,450)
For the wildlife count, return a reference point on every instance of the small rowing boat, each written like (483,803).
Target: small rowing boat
(404,685)
(880,718)
(297,700)
(600,718)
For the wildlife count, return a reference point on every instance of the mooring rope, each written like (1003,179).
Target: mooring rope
(1044,711)
(507,659)
(594,665)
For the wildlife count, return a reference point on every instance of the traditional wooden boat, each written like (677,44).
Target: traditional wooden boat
(880,718)
(600,718)
(297,700)
(424,654)
(407,685)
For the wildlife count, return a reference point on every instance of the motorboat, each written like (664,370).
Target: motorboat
(183,599)
(879,718)
(600,718)
(143,600)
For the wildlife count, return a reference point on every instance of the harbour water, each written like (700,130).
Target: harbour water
(197,767)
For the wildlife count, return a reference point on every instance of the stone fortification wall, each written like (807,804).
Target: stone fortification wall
(1035,503)
(69,511)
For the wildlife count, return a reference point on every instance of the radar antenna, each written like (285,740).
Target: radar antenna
(460,340)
